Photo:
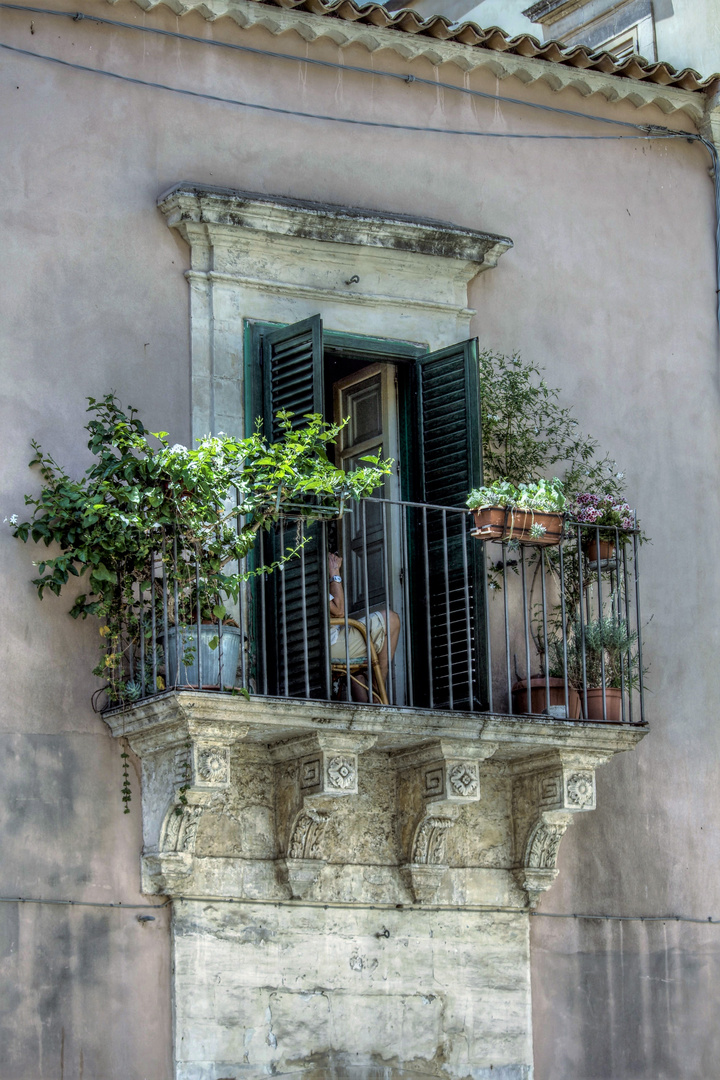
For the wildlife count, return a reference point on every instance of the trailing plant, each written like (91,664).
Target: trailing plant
(147,510)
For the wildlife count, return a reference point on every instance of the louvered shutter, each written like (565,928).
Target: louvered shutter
(292,359)
(447,401)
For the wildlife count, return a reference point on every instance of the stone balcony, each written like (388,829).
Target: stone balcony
(326,801)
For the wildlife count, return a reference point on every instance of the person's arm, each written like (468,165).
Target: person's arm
(337,595)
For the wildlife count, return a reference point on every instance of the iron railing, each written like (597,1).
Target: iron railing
(485,626)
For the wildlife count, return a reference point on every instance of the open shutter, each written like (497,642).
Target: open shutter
(295,642)
(449,646)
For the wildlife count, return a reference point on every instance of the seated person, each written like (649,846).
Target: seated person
(381,622)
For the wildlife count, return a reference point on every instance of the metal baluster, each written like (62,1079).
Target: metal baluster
(348,679)
(198,615)
(263,619)
(141,623)
(507,629)
(488,635)
(468,628)
(564,631)
(366,593)
(625,662)
(526,625)
(545,628)
(165,612)
(404,512)
(582,621)
(427,608)
(600,619)
(152,616)
(303,601)
(283,609)
(448,623)
(242,570)
(386,588)
(325,594)
(636,546)
(176,594)
(626,591)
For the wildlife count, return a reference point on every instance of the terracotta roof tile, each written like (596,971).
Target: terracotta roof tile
(493,38)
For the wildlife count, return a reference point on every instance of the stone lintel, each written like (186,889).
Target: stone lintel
(198,204)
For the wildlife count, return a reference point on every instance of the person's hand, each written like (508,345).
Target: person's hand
(334,564)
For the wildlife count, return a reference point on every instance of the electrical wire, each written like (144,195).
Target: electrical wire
(78,16)
(650,131)
(82,903)
(648,135)
(628,918)
(478,908)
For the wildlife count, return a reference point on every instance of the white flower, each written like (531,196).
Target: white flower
(13,519)
(178,448)
(620,476)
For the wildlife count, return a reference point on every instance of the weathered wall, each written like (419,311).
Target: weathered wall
(611,284)
(288,990)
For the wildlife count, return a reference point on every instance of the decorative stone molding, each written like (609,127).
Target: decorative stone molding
(328,764)
(370,272)
(211,765)
(448,769)
(429,843)
(503,64)
(547,792)
(306,835)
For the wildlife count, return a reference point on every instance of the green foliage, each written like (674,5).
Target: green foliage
(117,524)
(527,433)
(542,496)
(608,638)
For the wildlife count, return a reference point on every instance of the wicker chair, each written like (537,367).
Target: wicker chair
(360,663)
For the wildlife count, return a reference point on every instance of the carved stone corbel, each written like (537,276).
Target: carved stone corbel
(442,776)
(548,790)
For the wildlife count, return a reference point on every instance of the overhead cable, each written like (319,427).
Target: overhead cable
(78,16)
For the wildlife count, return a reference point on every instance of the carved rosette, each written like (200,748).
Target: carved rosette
(451,781)
(212,765)
(580,790)
(341,772)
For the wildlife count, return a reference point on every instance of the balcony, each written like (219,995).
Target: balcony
(479,620)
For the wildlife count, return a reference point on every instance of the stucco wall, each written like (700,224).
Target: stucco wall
(611,285)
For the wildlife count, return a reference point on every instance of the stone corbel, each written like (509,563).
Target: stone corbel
(327,768)
(445,776)
(547,793)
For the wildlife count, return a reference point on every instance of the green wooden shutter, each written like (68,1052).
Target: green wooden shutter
(292,360)
(449,465)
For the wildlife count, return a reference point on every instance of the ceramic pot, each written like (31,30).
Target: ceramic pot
(209,658)
(613,704)
(607,551)
(538,697)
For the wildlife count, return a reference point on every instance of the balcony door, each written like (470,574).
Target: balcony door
(369,538)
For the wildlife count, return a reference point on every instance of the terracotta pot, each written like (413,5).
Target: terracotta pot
(613,704)
(499,523)
(538,696)
(607,551)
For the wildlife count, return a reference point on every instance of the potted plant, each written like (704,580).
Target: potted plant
(529,513)
(610,515)
(608,642)
(148,517)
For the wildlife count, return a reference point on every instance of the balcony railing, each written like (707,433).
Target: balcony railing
(485,626)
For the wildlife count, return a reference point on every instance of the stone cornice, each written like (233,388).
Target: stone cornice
(528,69)
(199,204)
(169,718)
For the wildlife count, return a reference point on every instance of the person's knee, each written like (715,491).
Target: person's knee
(394,622)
